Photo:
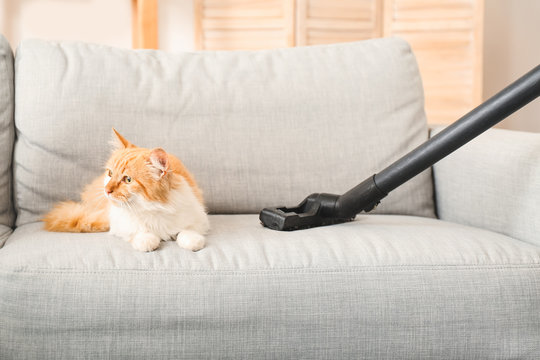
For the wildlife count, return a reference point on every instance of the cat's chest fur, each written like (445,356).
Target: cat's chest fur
(181,212)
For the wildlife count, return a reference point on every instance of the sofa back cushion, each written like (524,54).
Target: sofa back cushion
(256,128)
(7,134)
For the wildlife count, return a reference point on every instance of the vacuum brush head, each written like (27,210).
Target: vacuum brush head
(309,213)
(324,209)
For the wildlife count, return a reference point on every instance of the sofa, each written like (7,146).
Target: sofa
(446,267)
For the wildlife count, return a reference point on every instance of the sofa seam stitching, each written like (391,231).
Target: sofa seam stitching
(391,268)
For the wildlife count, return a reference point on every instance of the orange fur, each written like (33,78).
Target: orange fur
(91,214)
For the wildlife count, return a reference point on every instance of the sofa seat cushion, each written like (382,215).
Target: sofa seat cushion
(379,287)
(239,242)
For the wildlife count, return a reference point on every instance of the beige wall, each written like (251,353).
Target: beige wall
(101,21)
(511,48)
(511,34)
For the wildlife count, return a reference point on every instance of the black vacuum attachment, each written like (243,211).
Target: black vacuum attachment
(328,209)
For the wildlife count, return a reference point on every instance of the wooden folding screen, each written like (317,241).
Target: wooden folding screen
(244,24)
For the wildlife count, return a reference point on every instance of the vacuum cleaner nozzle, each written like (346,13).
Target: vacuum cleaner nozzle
(324,209)
(307,214)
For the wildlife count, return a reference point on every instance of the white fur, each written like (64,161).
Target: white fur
(191,240)
(145,241)
(141,222)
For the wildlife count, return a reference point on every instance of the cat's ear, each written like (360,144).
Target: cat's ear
(159,161)
(119,142)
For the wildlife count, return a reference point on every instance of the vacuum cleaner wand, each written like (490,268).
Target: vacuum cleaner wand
(327,209)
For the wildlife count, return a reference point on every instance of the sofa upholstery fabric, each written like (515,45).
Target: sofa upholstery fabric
(493,183)
(380,287)
(257,129)
(7,135)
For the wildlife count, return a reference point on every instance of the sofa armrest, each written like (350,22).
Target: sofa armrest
(493,182)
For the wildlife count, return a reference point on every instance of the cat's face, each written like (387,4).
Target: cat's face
(133,173)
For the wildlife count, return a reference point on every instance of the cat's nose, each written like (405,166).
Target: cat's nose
(108,191)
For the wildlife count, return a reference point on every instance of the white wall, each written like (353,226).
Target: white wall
(511,44)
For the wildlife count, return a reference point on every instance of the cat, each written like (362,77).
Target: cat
(144,196)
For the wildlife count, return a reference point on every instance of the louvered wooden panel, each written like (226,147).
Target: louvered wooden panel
(244,24)
(446,36)
(331,21)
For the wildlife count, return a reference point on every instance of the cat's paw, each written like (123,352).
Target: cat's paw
(190,240)
(145,242)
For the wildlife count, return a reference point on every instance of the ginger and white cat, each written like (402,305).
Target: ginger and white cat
(145,196)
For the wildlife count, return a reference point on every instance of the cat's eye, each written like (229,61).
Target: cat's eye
(127,179)
(109,173)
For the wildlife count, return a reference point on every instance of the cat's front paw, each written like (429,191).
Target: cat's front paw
(145,242)
(190,240)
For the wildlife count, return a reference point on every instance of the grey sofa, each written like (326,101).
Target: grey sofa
(447,267)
